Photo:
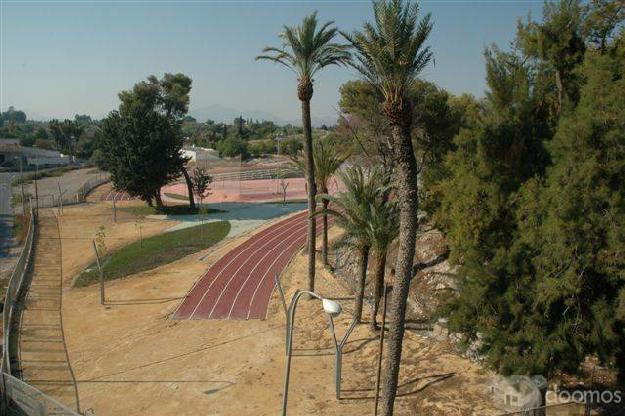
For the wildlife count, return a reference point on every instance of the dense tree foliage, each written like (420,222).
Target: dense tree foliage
(140,144)
(532,201)
(74,137)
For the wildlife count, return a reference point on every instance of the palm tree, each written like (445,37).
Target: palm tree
(352,210)
(326,160)
(390,54)
(306,50)
(383,230)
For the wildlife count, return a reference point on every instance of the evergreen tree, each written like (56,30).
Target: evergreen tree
(542,259)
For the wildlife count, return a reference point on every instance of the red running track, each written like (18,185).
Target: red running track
(239,285)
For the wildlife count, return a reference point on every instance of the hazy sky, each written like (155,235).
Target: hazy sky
(59,58)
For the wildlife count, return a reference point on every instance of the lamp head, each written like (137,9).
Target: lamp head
(331,307)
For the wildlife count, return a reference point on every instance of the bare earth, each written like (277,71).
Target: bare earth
(130,358)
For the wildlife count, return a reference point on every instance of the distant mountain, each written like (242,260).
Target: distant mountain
(221,114)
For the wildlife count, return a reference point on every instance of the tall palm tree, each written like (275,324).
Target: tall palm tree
(327,160)
(390,54)
(352,210)
(306,50)
(383,230)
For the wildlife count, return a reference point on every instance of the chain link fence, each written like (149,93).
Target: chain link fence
(78,197)
(14,293)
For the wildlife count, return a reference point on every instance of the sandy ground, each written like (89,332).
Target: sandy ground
(130,358)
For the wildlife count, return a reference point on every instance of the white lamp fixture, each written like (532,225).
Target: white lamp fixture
(331,307)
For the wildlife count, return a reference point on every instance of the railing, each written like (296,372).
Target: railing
(23,399)
(52,200)
(247,175)
(14,293)
(18,397)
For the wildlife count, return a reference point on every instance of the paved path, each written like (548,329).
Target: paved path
(239,285)
(43,355)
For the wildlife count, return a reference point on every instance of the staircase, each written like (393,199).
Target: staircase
(43,356)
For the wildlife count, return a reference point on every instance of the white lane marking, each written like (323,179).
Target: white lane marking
(296,226)
(256,266)
(294,242)
(249,310)
(287,221)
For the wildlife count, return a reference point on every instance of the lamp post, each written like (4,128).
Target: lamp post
(330,307)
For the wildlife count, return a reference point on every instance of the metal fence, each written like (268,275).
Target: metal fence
(18,397)
(253,174)
(14,292)
(54,201)
(23,399)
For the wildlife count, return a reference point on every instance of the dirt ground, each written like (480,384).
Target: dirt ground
(130,358)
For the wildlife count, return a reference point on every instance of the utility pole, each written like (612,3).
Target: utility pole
(36,189)
(22,186)
(101,272)
(380,352)
(114,209)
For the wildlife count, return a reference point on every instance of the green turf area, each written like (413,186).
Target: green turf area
(144,210)
(156,251)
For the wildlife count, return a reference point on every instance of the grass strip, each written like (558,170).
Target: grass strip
(155,251)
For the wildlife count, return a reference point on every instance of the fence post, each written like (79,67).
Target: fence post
(114,210)
(97,256)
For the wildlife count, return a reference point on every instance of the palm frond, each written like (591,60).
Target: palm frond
(308,48)
(390,52)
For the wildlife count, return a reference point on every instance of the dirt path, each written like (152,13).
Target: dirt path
(131,358)
(43,354)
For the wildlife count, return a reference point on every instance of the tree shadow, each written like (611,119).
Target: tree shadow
(407,385)
(349,348)
(121,302)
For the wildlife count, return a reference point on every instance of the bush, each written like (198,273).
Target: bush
(232,147)
(261,147)
(290,147)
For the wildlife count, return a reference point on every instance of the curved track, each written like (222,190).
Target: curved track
(239,285)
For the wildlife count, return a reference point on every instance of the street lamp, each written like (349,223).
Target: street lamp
(330,307)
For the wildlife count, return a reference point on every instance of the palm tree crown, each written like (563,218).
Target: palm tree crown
(390,54)
(307,49)
(326,160)
(352,207)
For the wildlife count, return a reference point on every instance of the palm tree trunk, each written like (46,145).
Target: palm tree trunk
(406,182)
(378,274)
(312,191)
(187,178)
(324,247)
(362,279)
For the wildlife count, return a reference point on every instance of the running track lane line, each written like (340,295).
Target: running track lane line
(277,265)
(223,310)
(201,288)
(261,298)
(294,240)
(193,299)
(222,305)
(203,307)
